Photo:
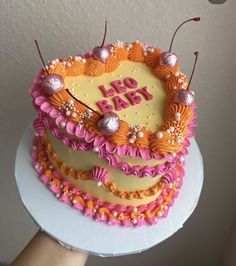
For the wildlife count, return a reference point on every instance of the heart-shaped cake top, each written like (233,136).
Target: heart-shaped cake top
(133,84)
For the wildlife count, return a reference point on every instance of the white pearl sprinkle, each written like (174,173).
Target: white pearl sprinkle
(177,73)
(172,129)
(58,195)
(76,58)
(95,149)
(99,183)
(135,209)
(179,140)
(159,135)
(131,140)
(168,131)
(83,60)
(114,213)
(159,213)
(135,221)
(181,159)
(74,114)
(70,101)
(67,112)
(63,124)
(174,154)
(177,116)
(140,134)
(74,201)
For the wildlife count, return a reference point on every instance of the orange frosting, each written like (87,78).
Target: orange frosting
(58,69)
(94,67)
(112,64)
(77,68)
(136,53)
(152,58)
(121,53)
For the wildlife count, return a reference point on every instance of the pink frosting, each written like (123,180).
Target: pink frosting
(119,209)
(100,174)
(110,157)
(130,82)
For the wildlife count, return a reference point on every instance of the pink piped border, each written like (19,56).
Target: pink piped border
(40,125)
(43,106)
(136,221)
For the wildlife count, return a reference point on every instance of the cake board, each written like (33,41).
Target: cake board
(82,233)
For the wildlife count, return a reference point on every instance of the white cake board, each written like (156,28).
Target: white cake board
(69,226)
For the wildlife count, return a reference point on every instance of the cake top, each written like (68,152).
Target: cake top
(131,98)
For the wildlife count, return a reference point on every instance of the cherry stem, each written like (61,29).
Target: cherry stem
(194,66)
(83,103)
(105,34)
(191,19)
(40,55)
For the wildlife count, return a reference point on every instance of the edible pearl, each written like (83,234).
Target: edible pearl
(74,114)
(177,116)
(95,149)
(114,213)
(140,134)
(70,101)
(74,201)
(99,183)
(172,129)
(159,213)
(174,154)
(58,195)
(131,140)
(68,113)
(159,135)
(63,124)
(135,209)
(135,221)
(181,159)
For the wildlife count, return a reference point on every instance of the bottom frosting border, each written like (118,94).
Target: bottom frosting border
(100,211)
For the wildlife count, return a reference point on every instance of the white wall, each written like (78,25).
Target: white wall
(66,27)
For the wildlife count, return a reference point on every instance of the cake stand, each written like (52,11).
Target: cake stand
(82,233)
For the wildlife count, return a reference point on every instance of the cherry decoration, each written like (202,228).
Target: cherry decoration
(109,123)
(41,57)
(169,59)
(186,97)
(52,83)
(102,53)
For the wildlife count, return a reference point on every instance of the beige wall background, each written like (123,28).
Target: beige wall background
(68,27)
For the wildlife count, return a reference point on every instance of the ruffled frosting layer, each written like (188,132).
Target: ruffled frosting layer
(97,209)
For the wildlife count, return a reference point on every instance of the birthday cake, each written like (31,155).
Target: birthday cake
(113,127)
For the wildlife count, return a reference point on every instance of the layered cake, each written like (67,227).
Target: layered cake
(113,127)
